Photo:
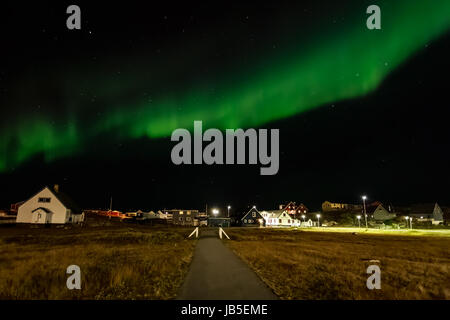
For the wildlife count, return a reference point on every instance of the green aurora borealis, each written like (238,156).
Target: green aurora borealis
(338,63)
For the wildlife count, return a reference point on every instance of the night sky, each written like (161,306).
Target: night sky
(359,111)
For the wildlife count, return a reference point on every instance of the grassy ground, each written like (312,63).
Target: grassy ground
(403,232)
(332,265)
(117,262)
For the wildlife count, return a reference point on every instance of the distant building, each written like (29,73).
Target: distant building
(135,214)
(379,213)
(219,222)
(166,215)
(187,217)
(293,209)
(427,212)
(279,218)
(15,207)
(328,206)
(49,207)
(252,218)
(106,213)
(331,206)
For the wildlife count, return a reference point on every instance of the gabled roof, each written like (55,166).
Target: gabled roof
(63,198)
(251,209)
(290,202)
(276,213)
(42,208)
(371,209)
(67,201)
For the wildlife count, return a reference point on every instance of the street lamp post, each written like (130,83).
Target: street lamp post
(359,221)
(365,213)
(304,219)
(407,218)
(318,221)
(410,222)
(229,207)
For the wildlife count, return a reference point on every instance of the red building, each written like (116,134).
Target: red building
(294,210)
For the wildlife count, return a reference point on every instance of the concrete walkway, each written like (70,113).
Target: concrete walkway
(216,273)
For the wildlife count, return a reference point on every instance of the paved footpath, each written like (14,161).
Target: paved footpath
(216,273)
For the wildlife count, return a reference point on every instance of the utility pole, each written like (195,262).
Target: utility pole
(365,213)
(110,208)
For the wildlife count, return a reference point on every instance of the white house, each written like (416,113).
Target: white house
(165,215)
(49,206)
(379,213)
(279,218)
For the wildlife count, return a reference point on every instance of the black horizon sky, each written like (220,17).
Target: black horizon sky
(391,144)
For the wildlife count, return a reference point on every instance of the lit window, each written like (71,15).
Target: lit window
(44,200)
(254,214)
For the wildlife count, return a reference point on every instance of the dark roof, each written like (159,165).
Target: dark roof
(66,201)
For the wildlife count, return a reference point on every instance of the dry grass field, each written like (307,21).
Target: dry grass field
(332,265)
(116,262)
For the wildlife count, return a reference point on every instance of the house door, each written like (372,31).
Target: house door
(41,217)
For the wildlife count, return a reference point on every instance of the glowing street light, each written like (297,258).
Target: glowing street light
(229,207)
(359,220)
(365,213)
(318,221)
(215,212)
(406,218)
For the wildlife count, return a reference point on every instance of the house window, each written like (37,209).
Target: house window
(245,220)
(279,220)
(254,214)
(44,200)
(250,221)
(188,218)
(180,218)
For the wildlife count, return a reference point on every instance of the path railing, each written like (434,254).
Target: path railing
(221,233)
